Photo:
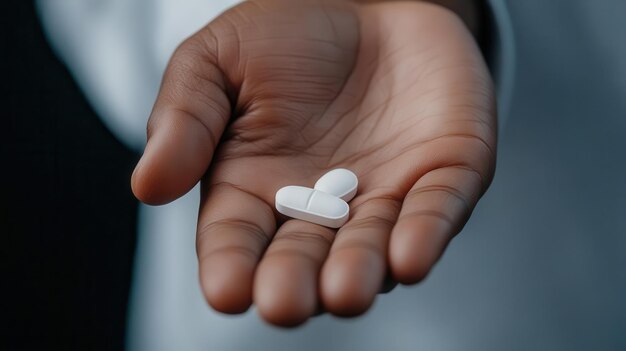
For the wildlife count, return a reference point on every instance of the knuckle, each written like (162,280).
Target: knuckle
(414,215)
(360,245)
(249,232)
(304,237)
(440,190)
(372,221)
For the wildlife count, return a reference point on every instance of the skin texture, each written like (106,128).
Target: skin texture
(278,92)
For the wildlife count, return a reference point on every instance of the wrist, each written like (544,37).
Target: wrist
(471,12)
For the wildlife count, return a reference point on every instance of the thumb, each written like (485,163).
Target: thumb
(187,121)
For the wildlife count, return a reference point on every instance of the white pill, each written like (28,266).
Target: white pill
(339,182)
(312,206)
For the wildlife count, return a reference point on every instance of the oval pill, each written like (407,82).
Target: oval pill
(312,206)
(340,182)
(293,197)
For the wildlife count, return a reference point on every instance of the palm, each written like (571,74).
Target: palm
(396,93)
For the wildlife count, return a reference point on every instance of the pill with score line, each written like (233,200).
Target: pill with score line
(325,204)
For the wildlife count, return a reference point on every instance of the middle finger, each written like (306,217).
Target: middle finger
(286,281)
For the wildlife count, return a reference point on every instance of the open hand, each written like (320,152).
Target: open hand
(278,92)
